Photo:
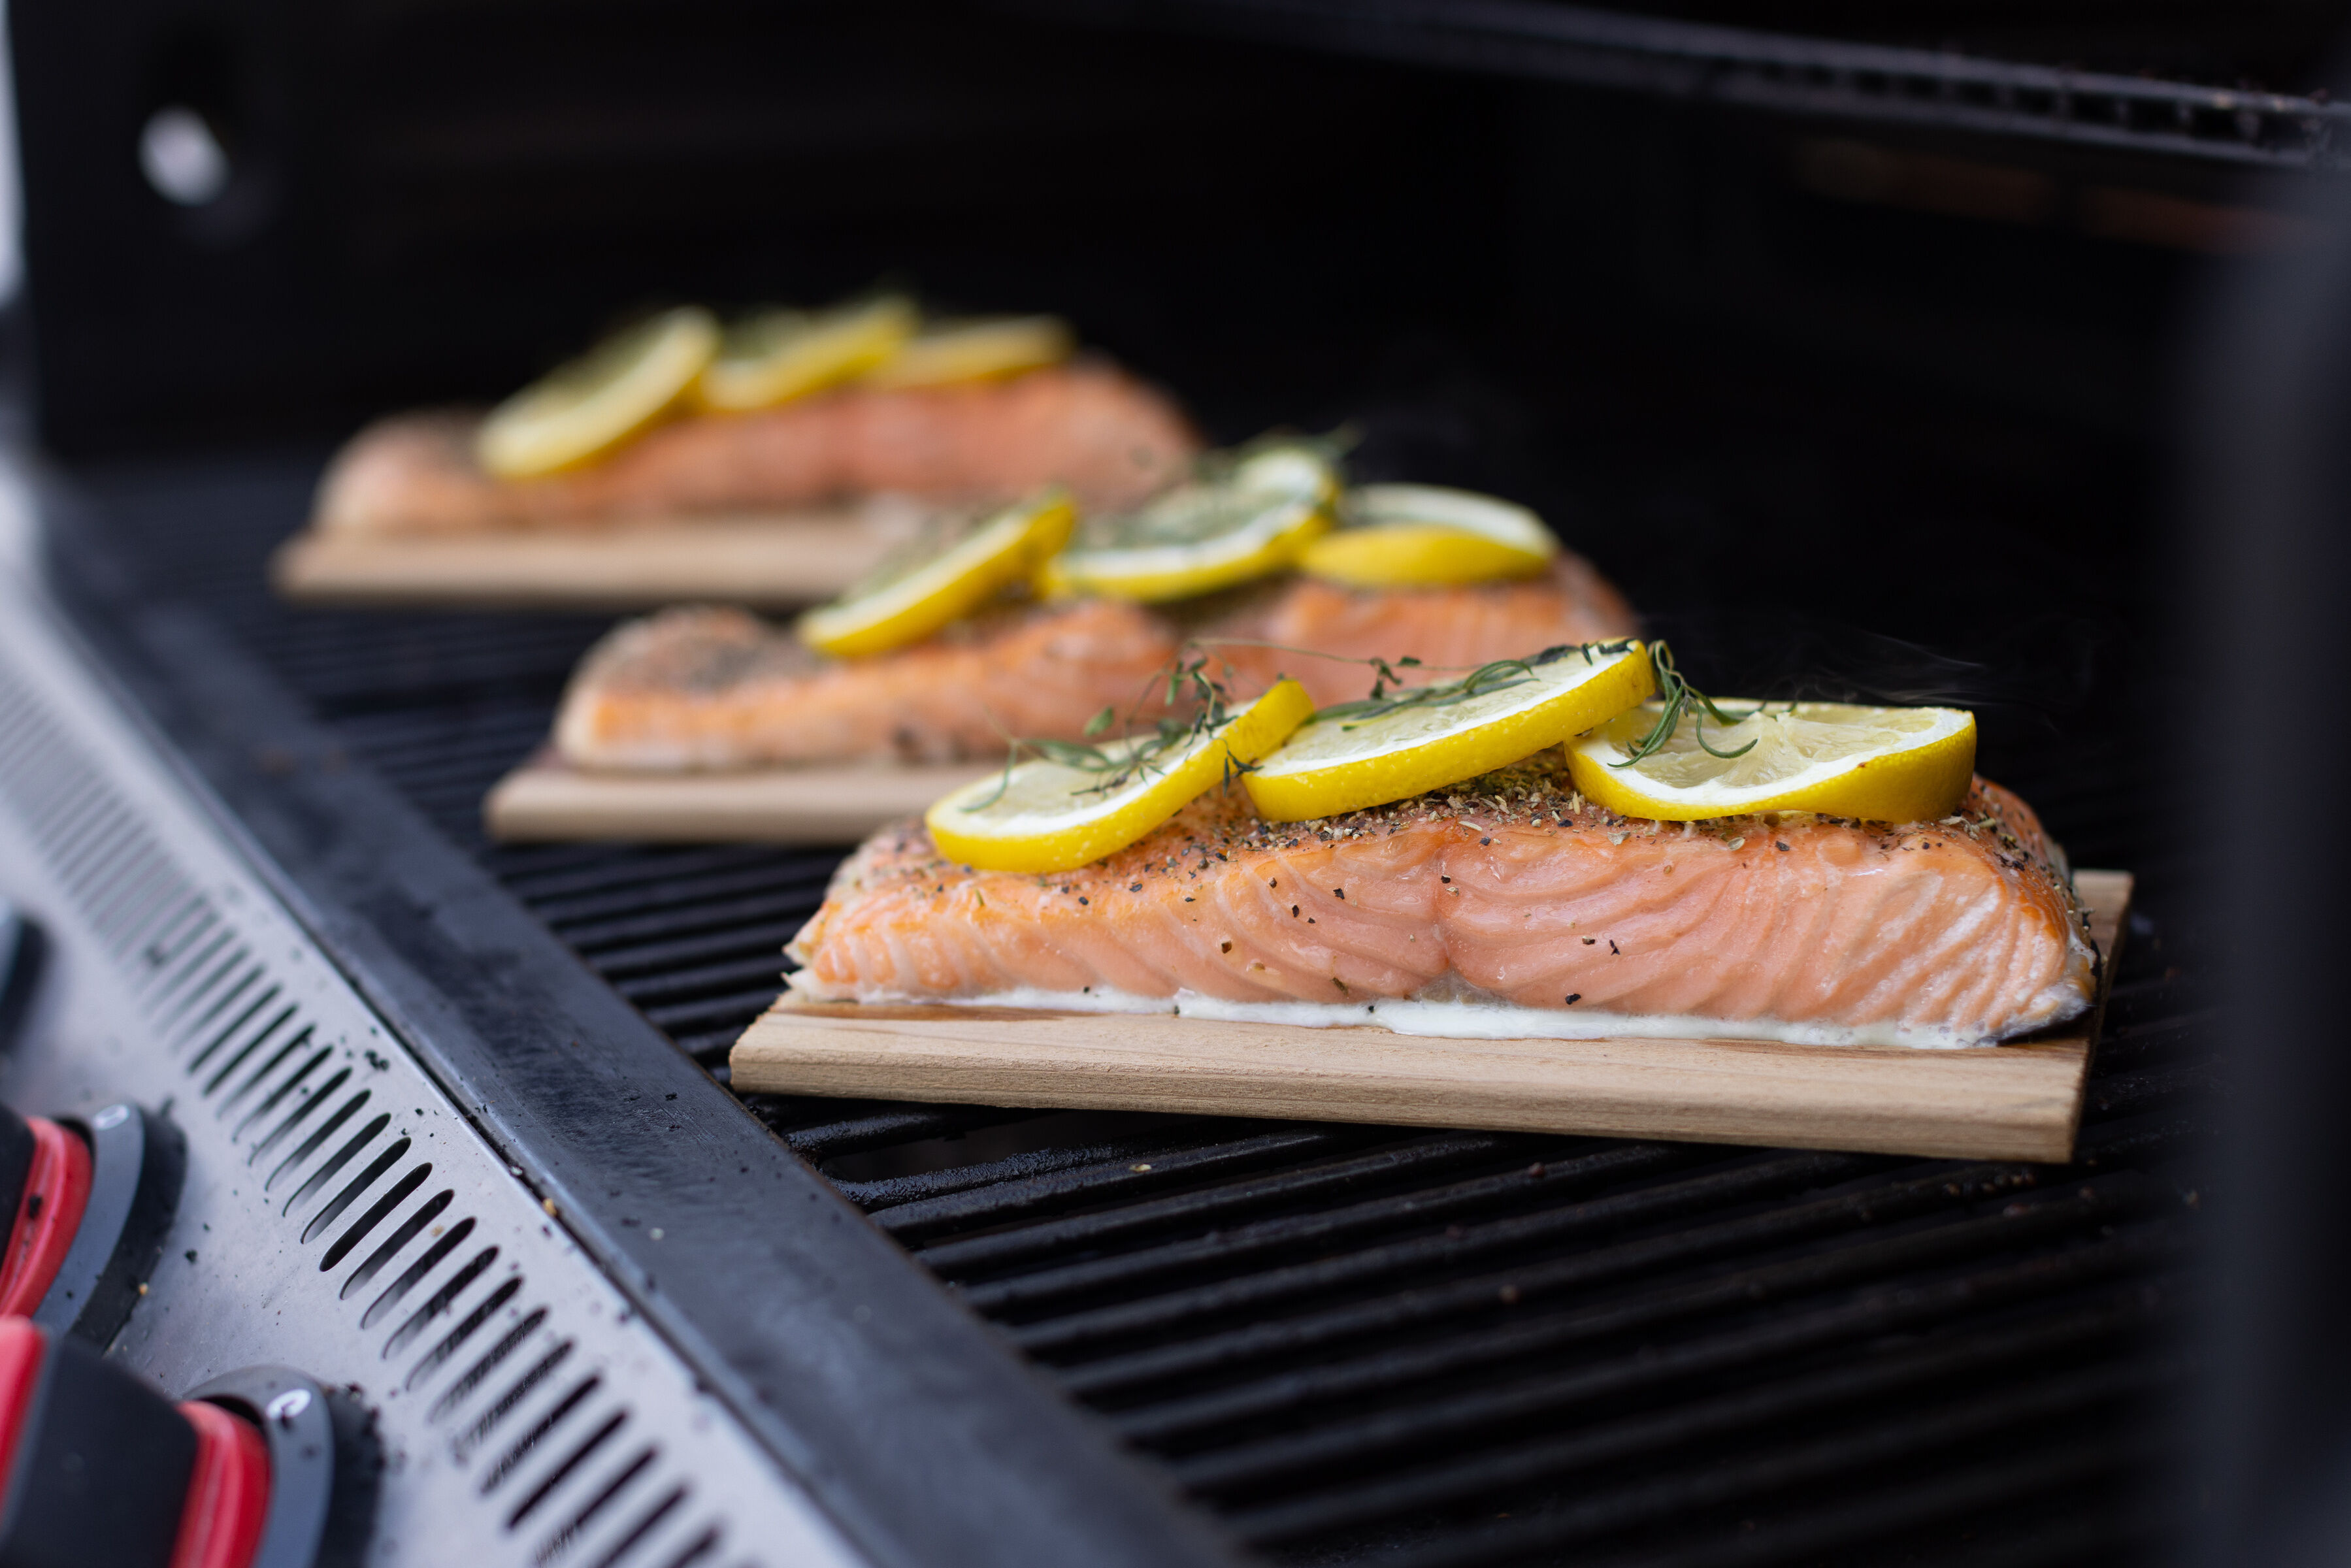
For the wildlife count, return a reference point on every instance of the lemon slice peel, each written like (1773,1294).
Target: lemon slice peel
(1428,535)
(1358,755)
(905,605)
(1838,759)
(1045,815)
(1246,518)
(776,356)
(1416,555)
(587,407)
(945,353)
(1471,511)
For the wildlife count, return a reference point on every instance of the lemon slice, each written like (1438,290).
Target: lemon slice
(1878,764)
(778,355)
(1426,535)
(912,597)
(950,351)
(1369,753)
(1249,522)
(584,409)
(1047,816)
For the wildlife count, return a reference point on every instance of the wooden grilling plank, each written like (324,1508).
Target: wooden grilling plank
(2022,1101)
(767,561)
(545,800)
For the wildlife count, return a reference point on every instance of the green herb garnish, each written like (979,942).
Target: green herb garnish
(1680,696)
(1136,757)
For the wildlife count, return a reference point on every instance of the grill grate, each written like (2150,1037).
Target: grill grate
(1432,1347)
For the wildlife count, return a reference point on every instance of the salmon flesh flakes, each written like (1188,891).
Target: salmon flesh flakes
(1508,888)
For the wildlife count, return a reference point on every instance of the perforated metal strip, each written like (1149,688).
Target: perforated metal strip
(341,1215)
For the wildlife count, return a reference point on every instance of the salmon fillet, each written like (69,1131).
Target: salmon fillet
(719,688)
(1087,425)
(1510,890)
(1444,628)
(702,688)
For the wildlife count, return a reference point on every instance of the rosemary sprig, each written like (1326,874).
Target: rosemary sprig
(1679,698)
(1119,763)
(1499,675)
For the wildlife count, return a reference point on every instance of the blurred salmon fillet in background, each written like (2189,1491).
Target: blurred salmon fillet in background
(1109,437)
(703,688)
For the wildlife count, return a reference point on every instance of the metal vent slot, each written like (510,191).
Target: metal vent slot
(439,1301)
(504,1405)
(340,1248)
(564,1467)
(695,1550)
(615,1486)
(318,1134)
(226,999)
(261,1074)
(92,840)
(520,1450)
(491,1360)
(162,999)
(415,1273)
(399,1240)
(333,1209)
(144,884)
(277,1097)
(235,1025)
(236,1058)
(172,942)
(433,1360)
(636,1532)
(341,1157)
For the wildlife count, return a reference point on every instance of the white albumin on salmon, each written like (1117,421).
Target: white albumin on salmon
(1509,892)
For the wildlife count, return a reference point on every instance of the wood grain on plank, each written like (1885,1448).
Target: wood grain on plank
(2013,1102)
(545,800)
(767,561)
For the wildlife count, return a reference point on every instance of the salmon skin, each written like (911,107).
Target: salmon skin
(1108,436)
(1522,907)
(707,688)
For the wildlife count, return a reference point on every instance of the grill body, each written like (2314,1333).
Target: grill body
(1832,353)
(1344,1342)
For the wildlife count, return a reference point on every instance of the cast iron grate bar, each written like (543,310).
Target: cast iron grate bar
(1814,76)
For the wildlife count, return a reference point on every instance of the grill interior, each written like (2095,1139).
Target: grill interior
(1361,1344)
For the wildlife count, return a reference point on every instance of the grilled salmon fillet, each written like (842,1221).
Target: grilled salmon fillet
(1087,425)
(1444,628)
(703,688)
(1511,890)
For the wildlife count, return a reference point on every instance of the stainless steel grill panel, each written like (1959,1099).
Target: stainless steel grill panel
(340,1214)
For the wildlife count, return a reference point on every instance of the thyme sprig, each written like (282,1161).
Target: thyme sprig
(1680,697)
